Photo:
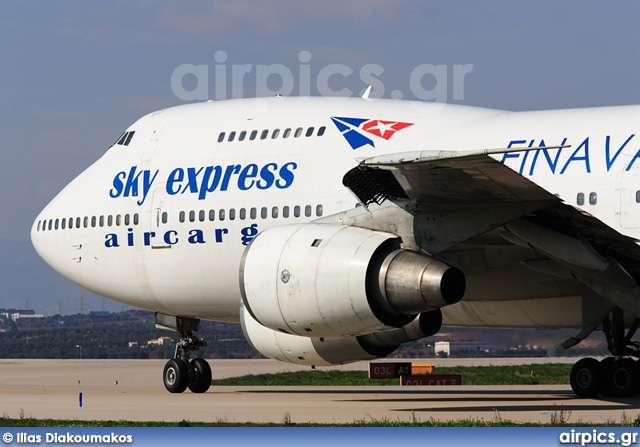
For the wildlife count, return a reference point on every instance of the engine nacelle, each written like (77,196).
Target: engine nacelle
(335,351)
(323,280)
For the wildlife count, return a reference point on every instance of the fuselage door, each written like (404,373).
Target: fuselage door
(150,148)
(159,217)
(629,198)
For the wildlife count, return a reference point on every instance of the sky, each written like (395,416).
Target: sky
(75,74)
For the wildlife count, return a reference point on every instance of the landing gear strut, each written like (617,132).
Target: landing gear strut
(180,372)
(618,375)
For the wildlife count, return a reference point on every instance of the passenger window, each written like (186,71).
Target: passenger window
(275,134)
(264,134)
(232,136)
(593,198)
(93,221)
(78,222)
(580,199)
(64,224)
(307,211)
(50,224)
(242,135)
(243,213)
(127,219)
(192,216)
(221,215)
(274,212)
(319,210)
(309,132)
(201,216)
(165,217)
(232,214)
(254,134)
(212,215)
(86,222)
(263,212)
(637,196)
(286,133)
(109,220)
(118,220)
(57,222)
(253,213)
(136,219)
(102,221)
(298,132)
(39,223)
(321,131)
(182,216)
(296,211)
(221,137)
(285,211)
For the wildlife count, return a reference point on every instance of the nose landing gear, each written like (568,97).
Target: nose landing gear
(181,373)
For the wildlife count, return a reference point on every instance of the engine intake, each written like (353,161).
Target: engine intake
(324,280)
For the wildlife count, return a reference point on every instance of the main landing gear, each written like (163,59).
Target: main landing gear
(181,373)
(616,376)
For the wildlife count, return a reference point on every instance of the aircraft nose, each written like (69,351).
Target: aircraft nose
(36,228)
(43,231)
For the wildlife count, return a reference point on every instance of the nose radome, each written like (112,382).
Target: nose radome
(36,228)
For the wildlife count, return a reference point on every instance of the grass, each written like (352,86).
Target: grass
(558,418)
(550,374)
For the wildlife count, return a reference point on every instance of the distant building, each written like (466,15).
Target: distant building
(160,341)
(99,314)
(18,315)
(133,344)
(23,313)
(454,347)
(58,322)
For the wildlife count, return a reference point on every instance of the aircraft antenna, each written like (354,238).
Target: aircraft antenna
(365,95)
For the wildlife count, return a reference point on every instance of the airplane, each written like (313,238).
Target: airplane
(335,229)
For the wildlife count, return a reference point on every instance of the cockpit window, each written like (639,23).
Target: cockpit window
(129,137)
(126,138)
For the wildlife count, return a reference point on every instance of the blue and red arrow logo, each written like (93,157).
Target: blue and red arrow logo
(353,129)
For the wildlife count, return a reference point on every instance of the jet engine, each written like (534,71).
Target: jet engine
(335,351)
(325,280)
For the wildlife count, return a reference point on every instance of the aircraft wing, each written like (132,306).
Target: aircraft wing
(478,194)
(441,180)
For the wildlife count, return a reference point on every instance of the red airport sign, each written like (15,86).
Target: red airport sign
(388,370)
(431,380)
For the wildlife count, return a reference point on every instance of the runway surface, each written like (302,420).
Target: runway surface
(50,389)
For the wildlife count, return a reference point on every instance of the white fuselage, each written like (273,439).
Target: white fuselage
(164,220)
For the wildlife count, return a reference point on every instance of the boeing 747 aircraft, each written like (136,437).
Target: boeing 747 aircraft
(334,230)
